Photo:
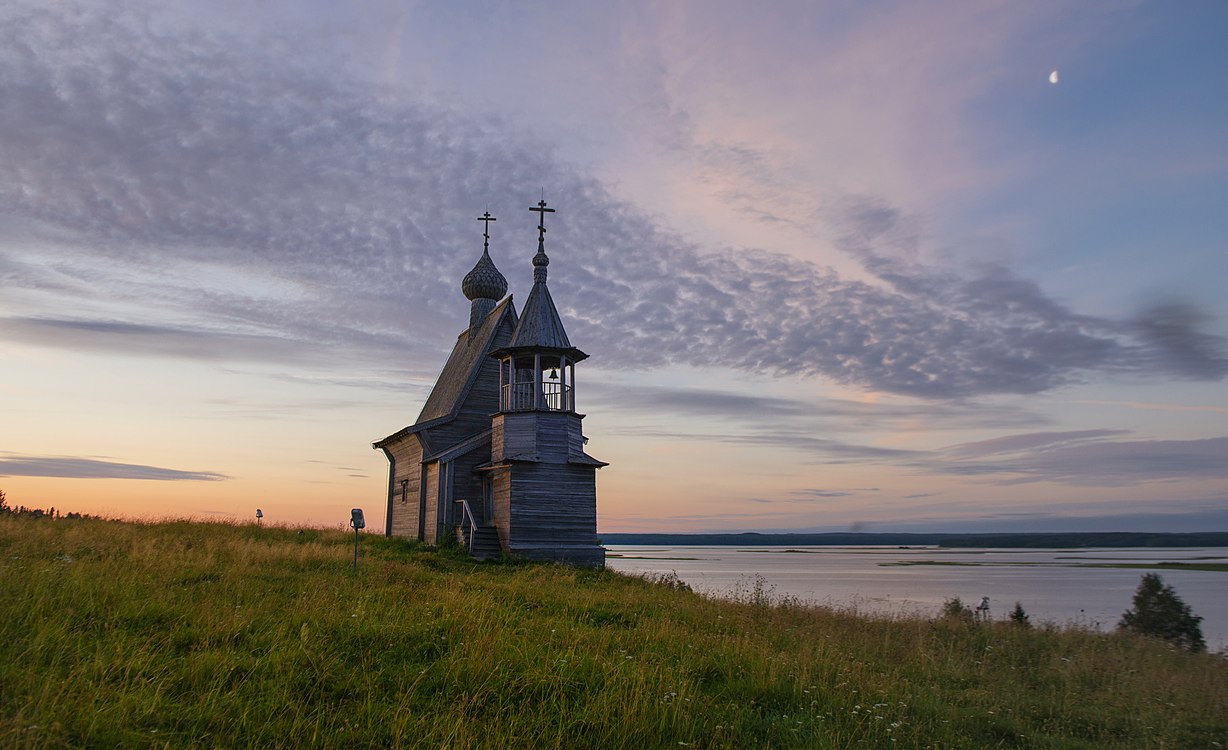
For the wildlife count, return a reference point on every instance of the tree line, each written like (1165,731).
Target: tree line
(25,512)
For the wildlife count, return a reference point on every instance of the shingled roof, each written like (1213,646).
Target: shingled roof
(463,365)
(539,326)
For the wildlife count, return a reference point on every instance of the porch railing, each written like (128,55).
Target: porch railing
(467,520)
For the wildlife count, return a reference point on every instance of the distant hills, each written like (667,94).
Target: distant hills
(1036,540)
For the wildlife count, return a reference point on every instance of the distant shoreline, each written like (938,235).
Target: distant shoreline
(1033,540)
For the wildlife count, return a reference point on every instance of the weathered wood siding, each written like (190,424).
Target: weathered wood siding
(467,483)
(430,494)
(501,499)
(554,515)
(546,435)
(407,465)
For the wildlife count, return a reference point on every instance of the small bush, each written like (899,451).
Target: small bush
(1159,613)
(669,580)
(1019,617)
(955,609)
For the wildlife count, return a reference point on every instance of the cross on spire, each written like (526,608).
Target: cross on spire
(541,209)
(487,218)
(540,261)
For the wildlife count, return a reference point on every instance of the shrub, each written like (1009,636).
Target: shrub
(955,609)
(669,580)
(1019,617)
(1159,613)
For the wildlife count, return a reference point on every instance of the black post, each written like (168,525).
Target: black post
(356,520)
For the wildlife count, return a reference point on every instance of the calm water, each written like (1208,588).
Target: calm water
(1054,585)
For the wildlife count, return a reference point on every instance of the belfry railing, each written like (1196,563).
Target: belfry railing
(553,396)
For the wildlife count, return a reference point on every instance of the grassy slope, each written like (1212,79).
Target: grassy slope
(203,634)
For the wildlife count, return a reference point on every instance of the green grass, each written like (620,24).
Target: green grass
(188,634)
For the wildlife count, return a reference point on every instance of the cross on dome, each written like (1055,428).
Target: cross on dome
(487,218)
(484,282)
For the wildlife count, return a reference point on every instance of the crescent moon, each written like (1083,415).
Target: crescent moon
(1053,77)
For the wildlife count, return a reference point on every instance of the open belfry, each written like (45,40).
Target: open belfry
(497,454)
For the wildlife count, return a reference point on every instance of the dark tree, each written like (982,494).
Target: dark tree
(1019,617)
(1159,613)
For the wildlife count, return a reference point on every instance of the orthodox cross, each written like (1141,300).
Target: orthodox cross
(541,224)
(487,218)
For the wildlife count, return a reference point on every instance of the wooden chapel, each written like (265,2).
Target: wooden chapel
(497,454)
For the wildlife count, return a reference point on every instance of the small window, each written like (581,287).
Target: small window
(404,490)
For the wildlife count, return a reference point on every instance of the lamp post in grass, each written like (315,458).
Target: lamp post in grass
(357,522)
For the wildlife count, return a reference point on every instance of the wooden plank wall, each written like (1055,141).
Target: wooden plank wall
(551,436)
(430,493)
(501,495)
(556,506)
(407,454)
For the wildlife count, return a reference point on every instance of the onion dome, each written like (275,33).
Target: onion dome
(484,281)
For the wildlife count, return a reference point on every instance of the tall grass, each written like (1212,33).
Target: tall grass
(189,634)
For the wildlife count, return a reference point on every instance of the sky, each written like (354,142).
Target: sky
(838,265)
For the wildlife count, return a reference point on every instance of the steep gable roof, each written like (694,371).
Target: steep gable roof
(467,358)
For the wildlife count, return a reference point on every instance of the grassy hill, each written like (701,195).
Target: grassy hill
(189,634)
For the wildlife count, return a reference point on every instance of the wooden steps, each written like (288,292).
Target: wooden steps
(485,543)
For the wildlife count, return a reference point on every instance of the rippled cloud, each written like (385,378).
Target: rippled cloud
(229,193)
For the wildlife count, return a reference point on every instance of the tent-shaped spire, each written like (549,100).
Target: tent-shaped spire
(540,327)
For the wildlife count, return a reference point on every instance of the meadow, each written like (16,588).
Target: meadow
(186,634)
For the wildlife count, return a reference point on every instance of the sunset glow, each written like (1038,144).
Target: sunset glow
(836,267)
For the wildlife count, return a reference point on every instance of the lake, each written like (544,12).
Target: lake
(1053,585)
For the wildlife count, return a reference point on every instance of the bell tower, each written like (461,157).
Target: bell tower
(543,483)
